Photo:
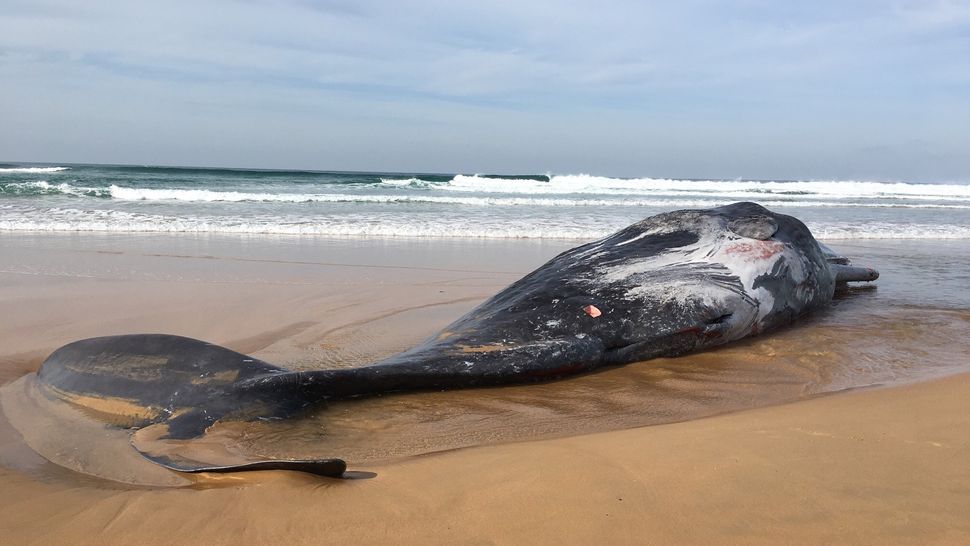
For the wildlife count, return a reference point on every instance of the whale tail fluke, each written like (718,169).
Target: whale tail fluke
(172,389)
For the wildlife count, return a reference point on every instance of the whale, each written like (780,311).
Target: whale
(665,286)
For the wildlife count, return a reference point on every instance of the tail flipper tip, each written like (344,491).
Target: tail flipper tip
(330,468)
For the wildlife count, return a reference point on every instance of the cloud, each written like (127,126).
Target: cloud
(457,76)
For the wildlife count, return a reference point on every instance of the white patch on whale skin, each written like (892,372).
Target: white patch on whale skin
(718,251)
(645,233)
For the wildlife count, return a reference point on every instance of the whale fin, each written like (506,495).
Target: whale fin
(832,256)
(842,269)
(849,273)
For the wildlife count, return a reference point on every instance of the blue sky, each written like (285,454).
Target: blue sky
(759,89)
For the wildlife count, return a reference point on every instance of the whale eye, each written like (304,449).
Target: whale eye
(754,227)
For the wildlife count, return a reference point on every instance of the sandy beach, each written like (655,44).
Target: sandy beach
(754,443)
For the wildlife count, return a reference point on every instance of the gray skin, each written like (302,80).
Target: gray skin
(670,284)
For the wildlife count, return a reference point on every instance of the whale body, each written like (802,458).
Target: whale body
(670,284)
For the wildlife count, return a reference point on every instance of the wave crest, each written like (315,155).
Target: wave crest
(32,169)
(587,184)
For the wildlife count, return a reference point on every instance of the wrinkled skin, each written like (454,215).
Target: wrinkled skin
(670,284)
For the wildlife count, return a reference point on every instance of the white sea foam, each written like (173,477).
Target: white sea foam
(886,230)
(25,218)
(71,220)
(683,201)
(32,169)
(144,194)
(40,187)
(574,191)
(409,182)
(562,206)
(587,184)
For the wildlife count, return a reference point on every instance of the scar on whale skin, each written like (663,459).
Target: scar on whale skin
(756,250)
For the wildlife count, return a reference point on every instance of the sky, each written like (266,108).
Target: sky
(859,90)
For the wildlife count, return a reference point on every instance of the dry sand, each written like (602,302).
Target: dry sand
(875,466)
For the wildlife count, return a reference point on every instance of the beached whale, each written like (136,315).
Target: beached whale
(670,284)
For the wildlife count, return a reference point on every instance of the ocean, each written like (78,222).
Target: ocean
(131,199)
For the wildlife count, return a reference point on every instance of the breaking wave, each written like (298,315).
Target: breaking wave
(506,197)
(584,184)
(32,169)
(574,206)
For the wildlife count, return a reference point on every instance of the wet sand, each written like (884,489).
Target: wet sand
(863,466)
